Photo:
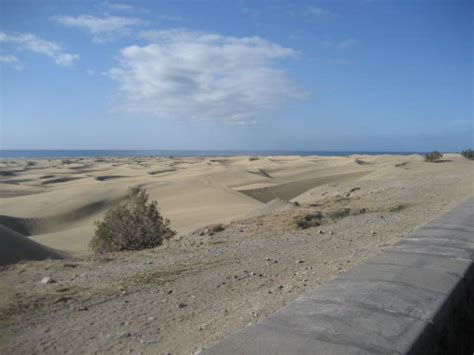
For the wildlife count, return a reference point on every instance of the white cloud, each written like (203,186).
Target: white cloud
(317,11)
(347,43)
(197,76)
(102,29)
(11,60)
(33,43)
(124,8)
(8,59)
(343,44)
(119,7)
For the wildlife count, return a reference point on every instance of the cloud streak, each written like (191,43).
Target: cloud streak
(12,61)
(195,76)
(317,11)
(119,7)
(33,43)
(102,29)
(342,44)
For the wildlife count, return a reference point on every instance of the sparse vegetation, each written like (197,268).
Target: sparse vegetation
(132,225)
(433,156)
(361,162)
(212,229)
(340,213)
(309,220)
(468,154)
(396,208)
(317,218)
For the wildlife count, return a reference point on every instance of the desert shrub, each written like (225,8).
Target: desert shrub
(361,162)
(134,224)
(309,220)
(433,157)
(468,154)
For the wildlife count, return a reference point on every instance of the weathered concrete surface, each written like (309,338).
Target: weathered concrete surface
(415,298)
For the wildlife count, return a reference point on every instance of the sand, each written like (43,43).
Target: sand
(197,288)
(65,197)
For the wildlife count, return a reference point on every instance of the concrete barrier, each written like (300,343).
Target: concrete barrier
(415,298)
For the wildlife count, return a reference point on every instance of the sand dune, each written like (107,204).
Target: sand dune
(16,247)
(275,206)
(57,201)
(290,190)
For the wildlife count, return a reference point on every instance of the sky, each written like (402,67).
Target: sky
(364,75)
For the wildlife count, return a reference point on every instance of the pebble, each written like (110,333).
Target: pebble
(47,280)
(123,334)
(373,232)
(182,305)
(148,342)
(331,232)
(80,308)
(300,262)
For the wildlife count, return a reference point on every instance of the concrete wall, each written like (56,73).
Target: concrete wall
(415,298)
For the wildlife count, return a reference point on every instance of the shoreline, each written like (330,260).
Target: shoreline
(124,153)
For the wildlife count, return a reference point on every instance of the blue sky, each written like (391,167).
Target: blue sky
(372,75)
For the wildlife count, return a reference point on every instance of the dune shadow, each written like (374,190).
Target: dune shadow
(60,180)
(109,177)
(55,223)
(290,190)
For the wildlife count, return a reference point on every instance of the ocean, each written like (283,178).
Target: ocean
(59,154)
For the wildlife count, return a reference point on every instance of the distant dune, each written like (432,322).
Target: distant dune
(55,202)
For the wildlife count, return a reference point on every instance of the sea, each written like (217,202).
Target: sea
(59,154)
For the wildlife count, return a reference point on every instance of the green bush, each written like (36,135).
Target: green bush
(132,225)
(433,157)
(468,154)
